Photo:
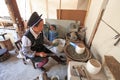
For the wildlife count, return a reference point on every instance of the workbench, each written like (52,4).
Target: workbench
(73,76)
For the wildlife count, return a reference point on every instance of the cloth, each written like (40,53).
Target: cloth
(42,63)
(52,35)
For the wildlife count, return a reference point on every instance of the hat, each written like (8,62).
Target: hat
(34,19)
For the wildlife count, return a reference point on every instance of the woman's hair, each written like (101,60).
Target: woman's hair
(38,23)
(53,26)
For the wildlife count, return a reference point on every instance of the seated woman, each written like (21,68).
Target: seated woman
(53,34)
(33,42)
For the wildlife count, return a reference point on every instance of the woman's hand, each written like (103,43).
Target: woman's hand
(55,42)
(42,54)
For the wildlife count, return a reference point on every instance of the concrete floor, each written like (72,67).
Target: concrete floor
(14,69)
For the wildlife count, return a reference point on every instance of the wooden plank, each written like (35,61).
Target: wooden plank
(95,29)
(114,66)
(78,15)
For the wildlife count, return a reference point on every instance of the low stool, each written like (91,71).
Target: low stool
(18,45)
(4,54)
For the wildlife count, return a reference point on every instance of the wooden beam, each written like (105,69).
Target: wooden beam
(95,30)
(15,15)
(59,11)
(47,9)
(88,8)
(31,10)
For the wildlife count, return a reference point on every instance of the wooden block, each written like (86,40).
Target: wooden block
(113,65)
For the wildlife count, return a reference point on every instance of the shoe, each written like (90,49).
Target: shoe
(43,69)
(62,62)
(63,58)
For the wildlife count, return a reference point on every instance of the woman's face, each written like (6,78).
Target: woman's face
(52,28)
(40,26)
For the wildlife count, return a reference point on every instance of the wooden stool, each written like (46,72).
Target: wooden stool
(18,45)
(6,44)
(3,35)
(4,55)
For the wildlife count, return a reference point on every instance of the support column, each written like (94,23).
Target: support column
(15,15)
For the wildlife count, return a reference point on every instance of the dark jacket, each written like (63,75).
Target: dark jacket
(37,44)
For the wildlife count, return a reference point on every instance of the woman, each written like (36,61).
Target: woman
(33,40)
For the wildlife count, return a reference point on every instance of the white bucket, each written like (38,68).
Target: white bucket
(93,66)
(80,48)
